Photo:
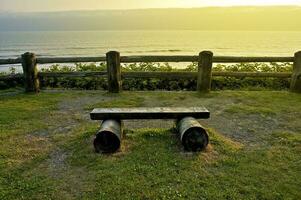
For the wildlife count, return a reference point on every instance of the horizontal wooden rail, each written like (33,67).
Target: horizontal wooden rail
(70,60)
(160,75)
(147,59)
(231,59)
(10,61)
(216,59)
(71,74)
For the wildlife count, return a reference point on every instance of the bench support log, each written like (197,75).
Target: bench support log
(193,136)
(30,71)
(296,77)
(108,139)
(205,71)
(114,71)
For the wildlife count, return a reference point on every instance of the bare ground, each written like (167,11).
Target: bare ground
(245,128)
(241,127)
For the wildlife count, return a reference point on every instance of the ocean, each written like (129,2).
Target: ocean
(97,43)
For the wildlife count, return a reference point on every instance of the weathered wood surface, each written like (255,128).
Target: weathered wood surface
(149,113)
(244,59)
(168,75)
(146,59)
(10,61)
(204,71)
(70,60)
(72,74)
(216,59)
(159,75)
(30,72)
(134,59)
(296,77)
(193,136)
(114,71)
(109,137)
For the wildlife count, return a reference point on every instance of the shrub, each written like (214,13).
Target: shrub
(218,83)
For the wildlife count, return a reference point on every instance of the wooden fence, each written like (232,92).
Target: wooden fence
(205,61)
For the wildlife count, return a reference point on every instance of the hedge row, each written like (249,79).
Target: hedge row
(218,83)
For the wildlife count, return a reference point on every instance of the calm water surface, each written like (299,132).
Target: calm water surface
(97,43)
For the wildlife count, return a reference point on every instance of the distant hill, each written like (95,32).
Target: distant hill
(211,18)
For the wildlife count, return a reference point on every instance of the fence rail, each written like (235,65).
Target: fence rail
(147,59)
(204,59)
(72,74)
(165,75)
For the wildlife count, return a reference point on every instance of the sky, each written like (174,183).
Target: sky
(59,5)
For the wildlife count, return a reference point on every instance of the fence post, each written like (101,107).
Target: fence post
(204,71)
(114,71)
(296,77)
(30,72)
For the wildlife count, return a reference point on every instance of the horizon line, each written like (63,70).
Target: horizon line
(153,8)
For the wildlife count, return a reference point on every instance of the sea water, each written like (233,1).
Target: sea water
(176,42)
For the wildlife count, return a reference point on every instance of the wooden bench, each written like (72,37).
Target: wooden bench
(149,113)
(193,136)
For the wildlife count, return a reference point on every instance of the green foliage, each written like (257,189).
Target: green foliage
(148,67)
(255,67)
(218,83)
(46,149)
(11,83)
(252,83)
(79,67)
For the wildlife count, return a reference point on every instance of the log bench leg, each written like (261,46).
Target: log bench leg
(193,136)
(108,138)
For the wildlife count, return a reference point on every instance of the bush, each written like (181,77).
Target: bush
(11,83)
(218,83)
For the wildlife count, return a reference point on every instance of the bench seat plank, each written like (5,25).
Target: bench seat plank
(149,113)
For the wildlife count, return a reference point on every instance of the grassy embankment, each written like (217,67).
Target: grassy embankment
(46,148)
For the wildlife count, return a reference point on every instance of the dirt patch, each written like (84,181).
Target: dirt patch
(249,129)
(141,124)
(244,128)
(57,163)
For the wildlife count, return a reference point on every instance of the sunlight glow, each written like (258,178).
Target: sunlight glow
(49,5)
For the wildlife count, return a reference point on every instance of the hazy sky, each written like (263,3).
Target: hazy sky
(50,5)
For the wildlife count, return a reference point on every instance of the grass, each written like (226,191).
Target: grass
(46,148)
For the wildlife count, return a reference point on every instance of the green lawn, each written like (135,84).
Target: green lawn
(46,147)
